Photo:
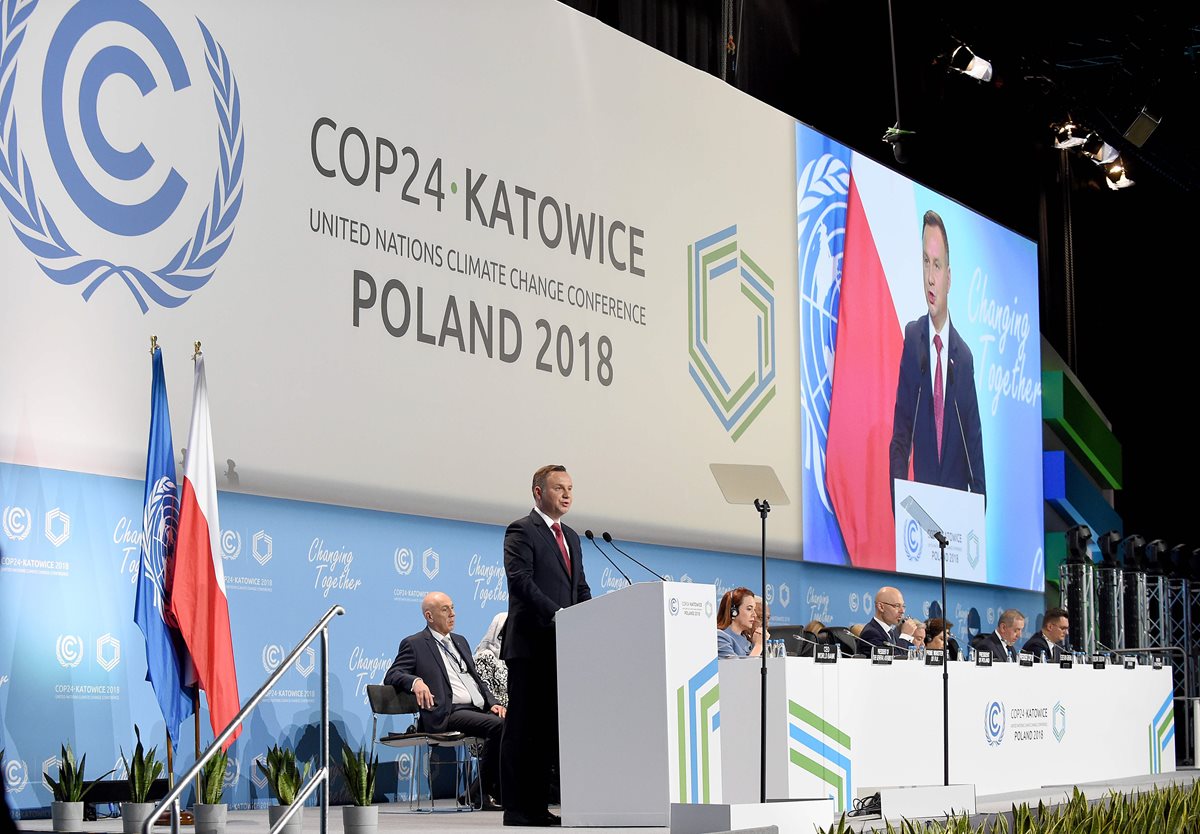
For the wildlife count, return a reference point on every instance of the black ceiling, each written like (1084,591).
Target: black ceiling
(828,63)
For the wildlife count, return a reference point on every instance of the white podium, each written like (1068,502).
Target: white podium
(638,715)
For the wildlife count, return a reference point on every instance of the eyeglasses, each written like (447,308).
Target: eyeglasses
(899,606)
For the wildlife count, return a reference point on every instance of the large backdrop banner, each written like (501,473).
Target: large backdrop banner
(427,247)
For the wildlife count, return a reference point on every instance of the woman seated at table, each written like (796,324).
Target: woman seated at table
(739,634)
(936,637)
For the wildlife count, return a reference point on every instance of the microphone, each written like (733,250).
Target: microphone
(912,435)
(966,451)
(592,539)
(815,644)
(906,649)
(609,539)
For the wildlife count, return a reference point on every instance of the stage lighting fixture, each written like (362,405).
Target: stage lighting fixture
(1068,135)
(1177,561)
(1152,556)
(1131,551)
(1110,548)
(1098,150)
(1142,127)
(896,136)
(1078,538)
(968,63)
(1116,177)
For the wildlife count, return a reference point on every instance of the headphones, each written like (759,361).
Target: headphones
(733,609)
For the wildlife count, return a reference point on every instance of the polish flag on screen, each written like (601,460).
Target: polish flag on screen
(198,598)
(869,344)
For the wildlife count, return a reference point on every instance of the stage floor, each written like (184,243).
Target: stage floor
(397,819)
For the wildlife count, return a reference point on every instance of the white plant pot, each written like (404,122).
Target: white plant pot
(295,824)
(66,816)
(134,814)
(360,819)
(210,819)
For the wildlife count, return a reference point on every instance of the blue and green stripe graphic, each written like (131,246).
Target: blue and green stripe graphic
(818,747)
(1161,731)
(698,717)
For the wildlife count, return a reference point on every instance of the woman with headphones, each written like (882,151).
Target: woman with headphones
(739,629)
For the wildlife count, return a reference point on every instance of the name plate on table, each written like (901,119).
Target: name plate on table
(983,658)
(1157,664)
(1099,661)
(935,657)
(1025,658)
(826,654)
(1131,663)
(1066,661)
(881,656)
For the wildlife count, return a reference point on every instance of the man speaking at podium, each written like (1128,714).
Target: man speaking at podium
(544,566)
(937,411)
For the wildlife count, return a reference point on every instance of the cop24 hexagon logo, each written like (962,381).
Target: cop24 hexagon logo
(738,387)
(122,212)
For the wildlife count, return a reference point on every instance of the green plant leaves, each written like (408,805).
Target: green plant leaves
(359,771)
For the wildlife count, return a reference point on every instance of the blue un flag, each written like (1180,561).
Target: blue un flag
(166,656)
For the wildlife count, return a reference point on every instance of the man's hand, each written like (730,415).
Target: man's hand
(908,626)
(424,696)
(499,710)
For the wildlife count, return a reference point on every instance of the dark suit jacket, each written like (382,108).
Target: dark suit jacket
(991,642)
(538,585)
(1037,644)
(961,463)
(420,657)
(874,634)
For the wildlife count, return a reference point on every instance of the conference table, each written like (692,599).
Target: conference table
(843,729)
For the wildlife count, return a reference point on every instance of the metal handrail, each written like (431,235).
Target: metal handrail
(321,776)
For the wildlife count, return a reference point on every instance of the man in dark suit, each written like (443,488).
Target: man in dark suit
(889,627)
(1002,642)
(544,565)
(937,412)
(436,666)
(1050,642)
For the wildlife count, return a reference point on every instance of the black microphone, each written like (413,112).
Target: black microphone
(592,539)
(912,435)
(609,539)
(813,643)
(966,451)
(906,649)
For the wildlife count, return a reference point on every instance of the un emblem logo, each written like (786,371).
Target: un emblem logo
(94,202)
(821,198)
(740,386)
(993,723)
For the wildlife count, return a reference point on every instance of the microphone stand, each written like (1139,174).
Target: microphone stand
(942,542)
(763,507)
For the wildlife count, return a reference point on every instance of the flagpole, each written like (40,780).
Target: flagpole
(196,723)
(196,688)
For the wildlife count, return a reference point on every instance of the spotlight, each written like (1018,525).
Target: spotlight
(896,137)
(1068,135)
(1077,544)
(1109,545)
(1116,177)
(1131,547)
(1100,151)
(968,63)
(1142,127)
(1152,556)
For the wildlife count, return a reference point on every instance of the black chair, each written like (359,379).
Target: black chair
(388,700)
(844,639)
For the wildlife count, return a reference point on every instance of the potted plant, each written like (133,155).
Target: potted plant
(143,769)
(66,811)
(284,779)
(211,812)
(362,817)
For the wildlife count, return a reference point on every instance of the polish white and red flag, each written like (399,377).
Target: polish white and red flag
(198,599)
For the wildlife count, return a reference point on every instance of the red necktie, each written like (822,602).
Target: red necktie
(939,398)
(562,545)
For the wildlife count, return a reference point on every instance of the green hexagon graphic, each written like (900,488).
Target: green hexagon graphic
(738,402)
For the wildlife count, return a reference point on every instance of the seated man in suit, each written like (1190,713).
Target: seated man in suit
(889,627)
(1002,642)
(436,666)
(1049,643)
